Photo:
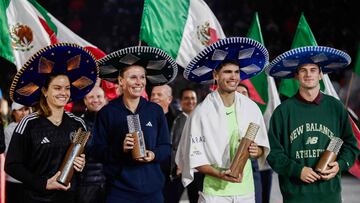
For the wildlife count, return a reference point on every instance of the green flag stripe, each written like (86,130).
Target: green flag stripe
(303,37)
(5,48)
(44,14)
(255,30)
(259,81)
(169,25)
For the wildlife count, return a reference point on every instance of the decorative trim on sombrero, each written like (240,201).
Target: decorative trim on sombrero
(327,58)
(160,67)
(250,54)
(68,59)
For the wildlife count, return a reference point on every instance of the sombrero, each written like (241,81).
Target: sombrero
(327,58)
(160,67)
(63,58)
(250,54)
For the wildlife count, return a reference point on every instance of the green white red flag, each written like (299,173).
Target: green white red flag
(26,27)
(262,88)
(182,28)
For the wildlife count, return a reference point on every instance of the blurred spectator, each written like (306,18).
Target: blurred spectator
(91,188)
(14,188)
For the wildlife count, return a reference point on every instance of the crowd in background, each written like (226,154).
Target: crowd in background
(333,24)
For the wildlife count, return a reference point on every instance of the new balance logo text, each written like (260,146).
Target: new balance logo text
(312,140)
(149,124)
(45,140)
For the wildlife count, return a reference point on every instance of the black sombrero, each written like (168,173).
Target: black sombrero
(160,67)
(68,59)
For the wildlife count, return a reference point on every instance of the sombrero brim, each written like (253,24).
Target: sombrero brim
(250,54)
(63,58)
(327,58)
(160,67)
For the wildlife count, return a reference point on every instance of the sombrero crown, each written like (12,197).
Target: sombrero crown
(250,54)
(59,59)
(327,58)
(160,67)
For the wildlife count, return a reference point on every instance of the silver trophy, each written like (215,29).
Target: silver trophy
(139,150)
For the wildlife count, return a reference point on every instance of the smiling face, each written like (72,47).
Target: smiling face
(95,99)
(188,101)
(227,77)
(133,81)
(309,76)
(58,93)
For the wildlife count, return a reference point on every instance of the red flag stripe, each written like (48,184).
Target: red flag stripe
(49,31)
(254,95)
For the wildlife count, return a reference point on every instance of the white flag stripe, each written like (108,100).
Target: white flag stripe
(190,46)
(329,88)
(29,35)
(273,100)
(24,13)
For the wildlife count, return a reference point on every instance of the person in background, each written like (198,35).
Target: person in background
(244,90)
(188,101)
(302,127)
(135,180)
(14,188)
(91,186)
(53,76)
(162,95)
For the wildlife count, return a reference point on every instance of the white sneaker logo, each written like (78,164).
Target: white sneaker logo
(149,124)
(45,140)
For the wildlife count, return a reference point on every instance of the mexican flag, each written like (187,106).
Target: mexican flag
(26,27)
(262,88)
(304,37)
(182,28)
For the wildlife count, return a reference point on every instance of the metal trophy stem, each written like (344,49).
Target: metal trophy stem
(329,155)
(76,148)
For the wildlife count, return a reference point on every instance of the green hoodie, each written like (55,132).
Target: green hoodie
(299,132)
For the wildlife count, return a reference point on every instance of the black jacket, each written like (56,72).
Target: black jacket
(93,172)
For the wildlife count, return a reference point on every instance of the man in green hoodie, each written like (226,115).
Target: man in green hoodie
(302,126)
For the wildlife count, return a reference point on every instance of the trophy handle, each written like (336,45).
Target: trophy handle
(326,158)
(139,150)
(67,169)
(241,157)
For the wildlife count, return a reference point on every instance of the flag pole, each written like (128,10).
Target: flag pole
(349,90)
(139,44)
